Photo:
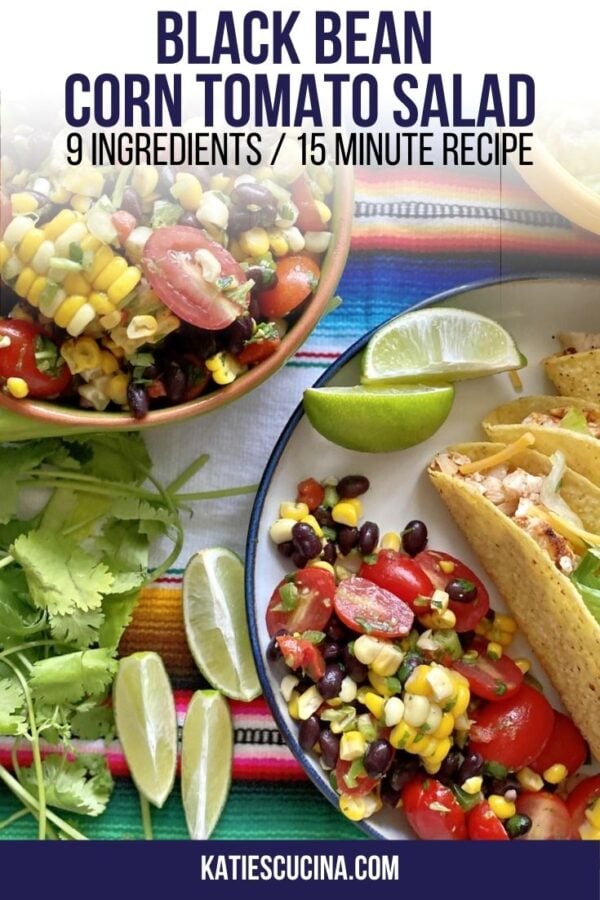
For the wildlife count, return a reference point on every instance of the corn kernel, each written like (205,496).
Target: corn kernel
(108,363)
(288,683)
(82,318)
(309,702)
(446,726)
(439,601)
(587,832)
(555,774)
(281,530)
(345,513)
(440,683)
(25,281)
(388,660)
(103,257)
(254,242)
(416,709)
(523,664)
(323,210)
(459,703)
(293,705)
(402,735)
(375,704)
(348,690)
(434,719)
(393,711)
(84,352)
(117,388)
(68,309)
(124,284)
(76,283)
(447,566)
(529,780)
(23,203)
(352,745)
(187,190)
(321,564)
(440,751)
(101,303)
(5,254)
(17,387)
(141,327)
(73,234)
(109,273)
(16,230)
(366,648)
(432,768)
(444,620)
(592,814)
(289,510)
(501,807)
(30,244)
(418,681)
(144,180)
(224,367)
(380,684)
(472,785)
(80,203)
(108,322)
(357,808)
(221,182)
(391,541)
(505,623)
(494,650)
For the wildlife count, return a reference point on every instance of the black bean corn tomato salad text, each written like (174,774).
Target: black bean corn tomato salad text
(146,287)
(397,673)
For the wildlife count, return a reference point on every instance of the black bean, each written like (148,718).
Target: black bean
(239,220)
(151,372)
(305,540)
(368,536)
(175,383)
(46,213)
(262,276)
(238,333)
(378,758)
(329,553)
(266,216)
(471,767)
(461,591)
(517,825)
(254,309)
(502,785)
(450,765)
(414,537)
(324,517)
(286,548)
(131,203)
(189,219)
(166,180)
(252,193)
(409,664)
(298,559)
(137,398)
(355,669)
(347,539)
(309,732)
(331,651)
(330,682)
(336,630)
(329,744)
(403,769)
(352,486)
(273,652)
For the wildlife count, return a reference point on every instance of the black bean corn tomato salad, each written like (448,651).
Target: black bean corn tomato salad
(398,675)
(146,287)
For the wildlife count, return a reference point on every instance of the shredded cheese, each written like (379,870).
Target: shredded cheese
(526,440)
(579,538)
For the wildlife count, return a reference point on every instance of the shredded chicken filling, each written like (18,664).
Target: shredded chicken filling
(515,493)
(553,419)
(579,341)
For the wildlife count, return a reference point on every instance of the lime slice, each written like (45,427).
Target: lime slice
(206,758)
(438,345)
(215,622)
(377,419)
(147,724)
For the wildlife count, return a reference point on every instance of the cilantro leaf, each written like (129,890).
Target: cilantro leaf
(16,459)
(118,612)
(97,723)
(83,785)
(17,617)
(13,720)
(78,627)
(60,576)
(125,551)
(71,677)
(115,457)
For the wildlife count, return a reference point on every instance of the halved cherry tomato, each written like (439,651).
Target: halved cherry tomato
(369,609)
(467,614)
(257,351)
(310,492)
(364,784)
(299,653)
(491,679)
(433,811)
(313,597)
(5,212)
(30,348)
(399,574)
(550,819)
(309,218)
(565,745)
(124,223)
(169,265)
(512,731)
(197,376)
(484,825)
(581,797)
(297,278)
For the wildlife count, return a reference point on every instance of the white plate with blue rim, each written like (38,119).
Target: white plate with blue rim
(533,309)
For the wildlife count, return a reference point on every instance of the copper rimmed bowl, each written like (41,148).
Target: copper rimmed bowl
(55,414)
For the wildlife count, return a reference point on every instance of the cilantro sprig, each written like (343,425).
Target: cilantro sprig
(70,576)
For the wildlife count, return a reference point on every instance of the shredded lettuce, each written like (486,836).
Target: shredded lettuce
(549,496)
(586,578)
(574,419)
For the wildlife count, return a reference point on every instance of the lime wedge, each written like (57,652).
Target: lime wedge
(206,758)
(215,622)
(438,345)
(147,724)
(378,419)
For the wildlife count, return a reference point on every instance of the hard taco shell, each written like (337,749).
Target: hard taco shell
(546,605)
(582,451)
(576,374)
